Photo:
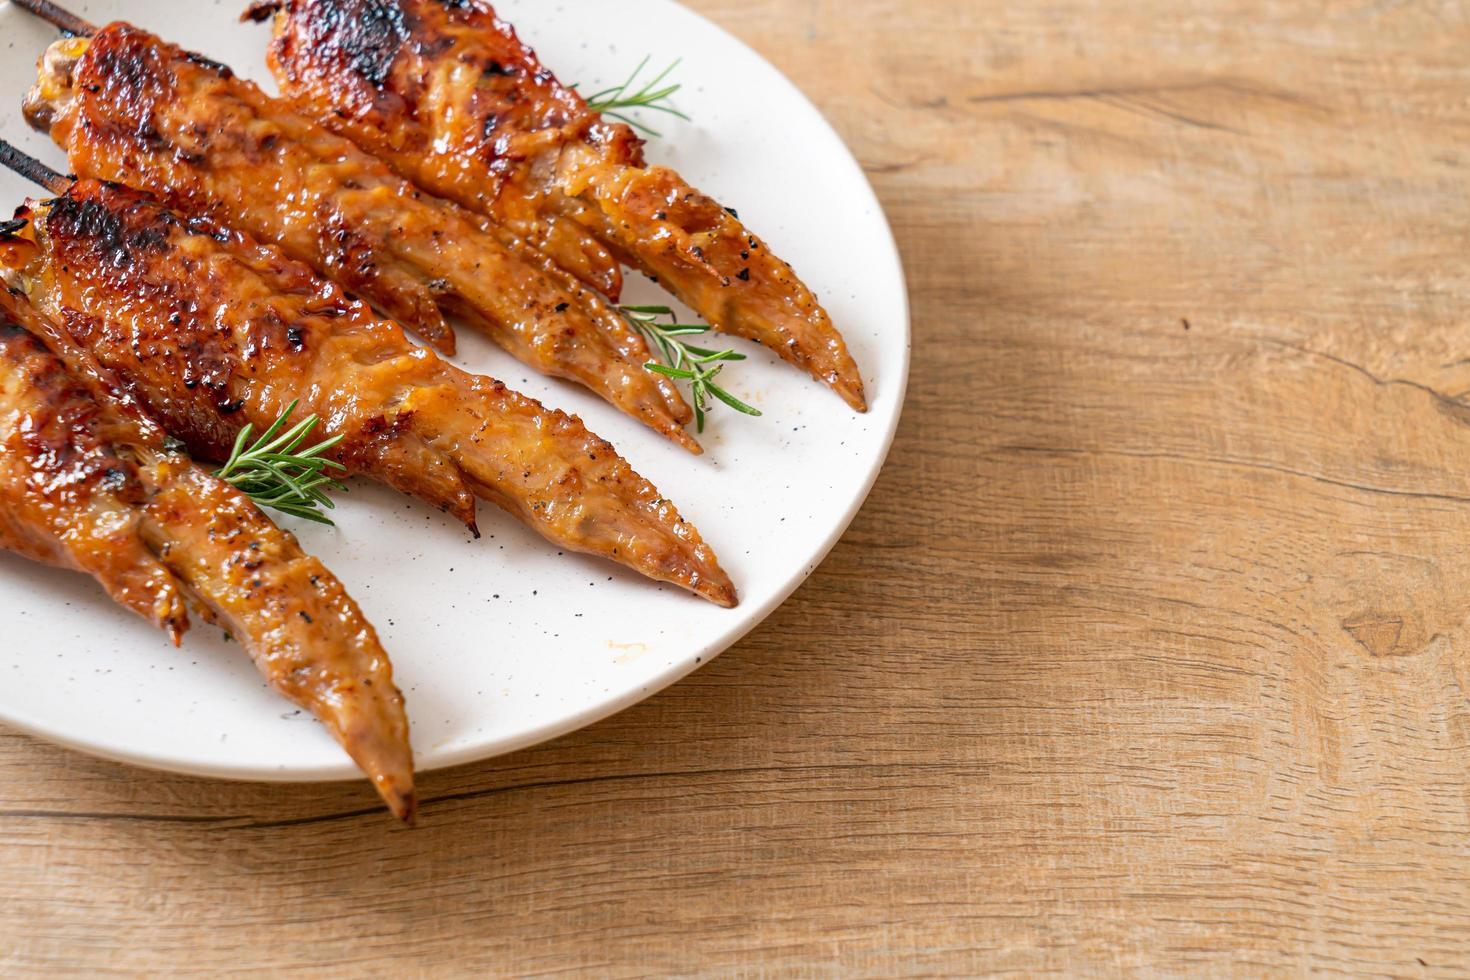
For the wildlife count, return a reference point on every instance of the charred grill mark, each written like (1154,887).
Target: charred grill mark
(261,10)
(66,456)
(347,251)
(130,89)
(364,35)
(124,67)
(85,219)
(130,247)
(223,71)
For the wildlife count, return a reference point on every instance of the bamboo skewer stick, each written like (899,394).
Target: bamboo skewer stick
(32,169)
(64,20)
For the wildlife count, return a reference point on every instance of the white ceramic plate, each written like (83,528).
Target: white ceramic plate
(503,643)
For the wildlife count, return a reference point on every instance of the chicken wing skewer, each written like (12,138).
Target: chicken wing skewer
(128,107)
(211,330)
(88,483)
(449,96)
(564,242)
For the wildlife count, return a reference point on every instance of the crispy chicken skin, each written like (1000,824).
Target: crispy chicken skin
(210,330)
(87,483)
(69,494)
(128,107)
(445,92)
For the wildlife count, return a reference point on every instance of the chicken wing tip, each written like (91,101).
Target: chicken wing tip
(404,806)
(720,593)
(686,441)
(853,394)
(174,622)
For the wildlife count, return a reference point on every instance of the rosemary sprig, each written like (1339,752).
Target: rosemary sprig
(276,472)
(653,95)
(696,365)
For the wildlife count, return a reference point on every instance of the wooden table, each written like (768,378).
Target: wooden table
(1150,650)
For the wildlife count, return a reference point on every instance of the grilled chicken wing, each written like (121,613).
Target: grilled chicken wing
(128,107)
(211,330)
(448,95)
(86,483)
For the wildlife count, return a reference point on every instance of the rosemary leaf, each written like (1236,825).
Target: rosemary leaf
(620,100)
(697,365)
(276,472)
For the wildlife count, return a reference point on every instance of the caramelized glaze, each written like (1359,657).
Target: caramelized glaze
(128,107)
(87,483)
(446,93)
(210,330)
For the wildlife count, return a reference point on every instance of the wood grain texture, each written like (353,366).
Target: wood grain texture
(1150,651)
